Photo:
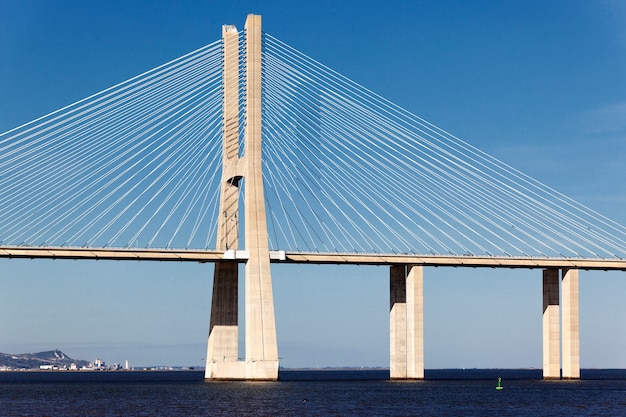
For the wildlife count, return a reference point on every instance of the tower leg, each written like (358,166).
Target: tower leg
(261,346)
(551,333)
(222,352)
(571,325)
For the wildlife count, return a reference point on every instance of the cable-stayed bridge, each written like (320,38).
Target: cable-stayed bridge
(248,151)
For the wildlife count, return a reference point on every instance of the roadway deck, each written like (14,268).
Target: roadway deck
(181,255)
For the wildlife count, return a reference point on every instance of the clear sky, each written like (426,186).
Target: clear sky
(539,85)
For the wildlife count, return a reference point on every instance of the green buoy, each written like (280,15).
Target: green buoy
(499,386)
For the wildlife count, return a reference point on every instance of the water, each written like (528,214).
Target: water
(311,393)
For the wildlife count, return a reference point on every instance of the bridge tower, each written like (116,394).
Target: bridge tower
(261,356)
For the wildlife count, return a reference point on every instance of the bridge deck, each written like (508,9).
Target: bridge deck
(129,254)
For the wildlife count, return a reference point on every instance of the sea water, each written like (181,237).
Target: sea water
(312,393)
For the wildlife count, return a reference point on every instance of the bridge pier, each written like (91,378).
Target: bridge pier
(397,322)
(406,322)
(569,322)
(551,325)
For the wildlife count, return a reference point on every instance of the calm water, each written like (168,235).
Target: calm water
(312,393)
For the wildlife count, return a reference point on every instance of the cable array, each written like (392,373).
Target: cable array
(139,165)
(135,165)
(348,171)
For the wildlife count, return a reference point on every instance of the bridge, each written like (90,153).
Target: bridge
(249,152)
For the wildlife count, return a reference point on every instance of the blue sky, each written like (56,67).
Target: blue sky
(540,86)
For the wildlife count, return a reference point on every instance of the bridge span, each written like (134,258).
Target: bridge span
(560,299)
(242,256)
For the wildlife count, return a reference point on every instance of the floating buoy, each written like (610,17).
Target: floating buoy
(499,386)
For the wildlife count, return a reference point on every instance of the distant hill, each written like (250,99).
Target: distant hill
(35,360)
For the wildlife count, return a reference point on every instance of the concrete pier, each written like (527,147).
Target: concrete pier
(415,322)
(406,322)
(561,352)
(397,322)
(551,325)
(570,324)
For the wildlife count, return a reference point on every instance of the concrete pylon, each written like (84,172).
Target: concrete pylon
(561,346)
(415,322)
(570,324)
(397,322)
(406,322)
(551,325)
(261,356)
